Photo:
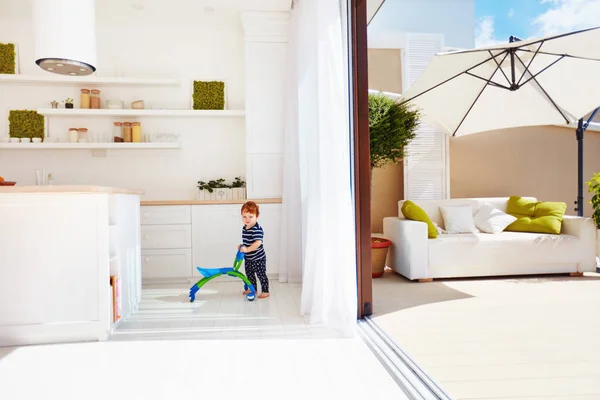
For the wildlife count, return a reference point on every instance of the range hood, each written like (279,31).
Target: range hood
(65,36)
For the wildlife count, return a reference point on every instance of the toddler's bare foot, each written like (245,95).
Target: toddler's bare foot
(263,295)
(245,292)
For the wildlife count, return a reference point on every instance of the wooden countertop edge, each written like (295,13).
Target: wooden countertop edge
(205,202)
(68,189)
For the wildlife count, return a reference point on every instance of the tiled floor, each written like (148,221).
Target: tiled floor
(295,369)
(512,338)
(219,312)
(146,359)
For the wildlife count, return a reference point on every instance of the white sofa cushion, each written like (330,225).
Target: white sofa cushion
(492,220)
(458,218)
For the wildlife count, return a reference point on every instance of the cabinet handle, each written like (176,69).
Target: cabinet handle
(145,236)
(145,214)
(147,259)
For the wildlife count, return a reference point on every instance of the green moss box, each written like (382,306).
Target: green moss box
(8,58)
(25,124)
(208,95)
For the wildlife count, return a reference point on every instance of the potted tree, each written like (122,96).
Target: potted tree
(594,188)
(391,127)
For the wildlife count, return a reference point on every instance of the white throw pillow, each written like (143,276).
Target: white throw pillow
(491,220)
(458,219)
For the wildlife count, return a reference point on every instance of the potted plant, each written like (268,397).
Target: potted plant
(238,187)
(68,102)
(594,188)
(54,104)
(391,127)
(218,189)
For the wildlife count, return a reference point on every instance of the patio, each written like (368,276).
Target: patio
(505,338)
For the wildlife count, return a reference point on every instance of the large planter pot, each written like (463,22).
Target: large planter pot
(379,249)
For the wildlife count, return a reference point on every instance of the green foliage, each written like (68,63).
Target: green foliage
(594,188)
(209,95)
(209,186)
(7,58)
(25,124)
(392,126)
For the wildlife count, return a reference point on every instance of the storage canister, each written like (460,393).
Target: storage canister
(95,99)
(85,98)
(117,130)
(82,134)
(136,132)
(73,135)
(127,131)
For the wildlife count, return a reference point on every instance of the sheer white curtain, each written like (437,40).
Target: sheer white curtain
(318,219)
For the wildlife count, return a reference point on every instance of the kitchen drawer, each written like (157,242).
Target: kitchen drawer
(167,263)
(166,236)
(165,215)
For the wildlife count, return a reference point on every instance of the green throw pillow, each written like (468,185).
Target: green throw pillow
(535,216)
(415,213)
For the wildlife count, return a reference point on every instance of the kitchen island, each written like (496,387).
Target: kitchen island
(59,247)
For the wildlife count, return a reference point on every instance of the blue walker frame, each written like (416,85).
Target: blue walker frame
(212,273)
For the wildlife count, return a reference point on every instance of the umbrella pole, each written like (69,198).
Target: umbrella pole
(579,136)
(581,127)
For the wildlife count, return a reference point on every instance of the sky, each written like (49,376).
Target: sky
(496,20)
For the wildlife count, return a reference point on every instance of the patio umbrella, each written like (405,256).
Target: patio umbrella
(554,80)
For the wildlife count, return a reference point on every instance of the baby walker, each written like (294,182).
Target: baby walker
(212,273)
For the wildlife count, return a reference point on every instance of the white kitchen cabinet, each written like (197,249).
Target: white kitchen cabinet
(57,258)
(166,263)
(166,215)
(217,231)
(166,235)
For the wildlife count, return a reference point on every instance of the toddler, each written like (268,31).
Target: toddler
(255,258)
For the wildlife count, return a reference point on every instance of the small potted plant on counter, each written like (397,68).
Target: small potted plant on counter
(218,189)
(68,102)
(54,104)
(239,188)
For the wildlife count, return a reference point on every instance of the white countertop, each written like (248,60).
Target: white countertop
(68,189)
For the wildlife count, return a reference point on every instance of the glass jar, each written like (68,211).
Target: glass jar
(82,134)
(127,131)
(73,135)
(95,99)
(85,98)
(136,132)
(117,131)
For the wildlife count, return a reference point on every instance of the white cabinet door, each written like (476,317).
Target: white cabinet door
(217,231)
(165,215)
(170,263)
(166,236)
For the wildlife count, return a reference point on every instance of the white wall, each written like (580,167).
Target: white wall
(455,19)
(163,40)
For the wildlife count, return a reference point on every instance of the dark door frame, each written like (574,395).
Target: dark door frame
(362,156)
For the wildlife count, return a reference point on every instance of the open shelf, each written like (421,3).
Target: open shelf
(77,112)
(73,146)
(52,79)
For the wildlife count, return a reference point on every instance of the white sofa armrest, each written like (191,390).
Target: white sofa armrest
(409,253)
(584,230)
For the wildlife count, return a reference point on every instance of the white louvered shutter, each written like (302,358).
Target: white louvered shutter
(426,171)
